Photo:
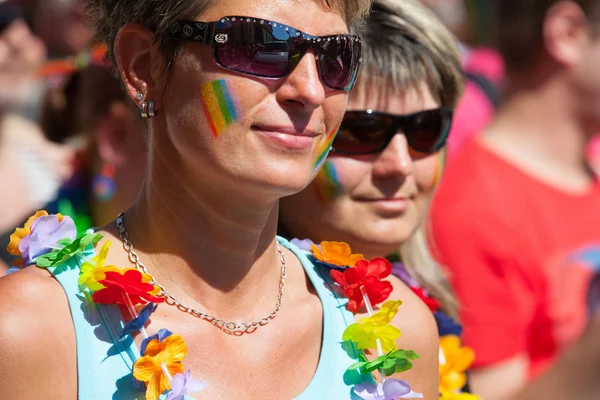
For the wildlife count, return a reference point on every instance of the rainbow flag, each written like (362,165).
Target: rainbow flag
(219,104)
(327,184)
(324,148)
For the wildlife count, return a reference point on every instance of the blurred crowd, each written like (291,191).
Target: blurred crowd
(516,218)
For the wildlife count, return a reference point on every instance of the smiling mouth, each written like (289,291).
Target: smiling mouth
(286,137)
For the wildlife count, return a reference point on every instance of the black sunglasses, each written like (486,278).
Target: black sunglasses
(269,49)
(369,132)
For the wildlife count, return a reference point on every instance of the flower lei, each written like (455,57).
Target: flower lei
(454,358)
(363,283)
(48,241)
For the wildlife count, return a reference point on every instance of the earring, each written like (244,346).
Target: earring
(148,110)
(104,184)
(139,96)
(144,110)
(151,111)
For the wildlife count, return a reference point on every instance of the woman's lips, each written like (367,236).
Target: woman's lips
(393,205)
(286,137)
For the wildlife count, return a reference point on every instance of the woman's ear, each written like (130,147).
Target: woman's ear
(140,61)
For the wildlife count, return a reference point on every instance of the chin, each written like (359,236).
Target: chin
(283,183)
(378,244)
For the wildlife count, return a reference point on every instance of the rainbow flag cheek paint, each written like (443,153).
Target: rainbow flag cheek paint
(439,167)
(323,149)
(327,183)
(219,104)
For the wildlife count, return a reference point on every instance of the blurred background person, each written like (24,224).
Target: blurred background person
(31,168)
(483,67)
(111,161)
(517,215)
(62,132)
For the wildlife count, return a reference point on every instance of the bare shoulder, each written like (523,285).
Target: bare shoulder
(419,333)
(37,339)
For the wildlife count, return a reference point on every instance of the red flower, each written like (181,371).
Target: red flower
(432,303)
(130,281)
(368,274)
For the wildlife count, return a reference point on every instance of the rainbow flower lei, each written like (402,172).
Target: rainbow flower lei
(48,241)
(363,283)
(455,359)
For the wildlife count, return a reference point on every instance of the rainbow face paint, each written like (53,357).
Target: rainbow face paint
(324,148)
(327,184)
(219,104)
(439,167)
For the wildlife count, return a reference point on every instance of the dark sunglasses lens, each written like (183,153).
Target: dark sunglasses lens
(339,62)
(362,133)
(427,132)
(255,48)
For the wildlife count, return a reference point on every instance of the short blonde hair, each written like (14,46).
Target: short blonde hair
(404,45)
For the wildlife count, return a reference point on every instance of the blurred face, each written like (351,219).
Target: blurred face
(62,25)
(251,135)
(373,202)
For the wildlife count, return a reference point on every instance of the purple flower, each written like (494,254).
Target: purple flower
(303,244)
(183,384)
(46,232)
(391,389)
(447,325)
(138,322)
(400,272)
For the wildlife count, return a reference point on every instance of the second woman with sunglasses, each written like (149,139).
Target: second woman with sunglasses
(374,189)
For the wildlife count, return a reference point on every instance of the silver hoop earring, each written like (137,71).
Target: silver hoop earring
(144,110)
(151,111)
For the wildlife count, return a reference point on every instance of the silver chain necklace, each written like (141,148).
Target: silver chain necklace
(228,327)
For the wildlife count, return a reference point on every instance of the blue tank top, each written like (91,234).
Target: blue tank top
(105,361)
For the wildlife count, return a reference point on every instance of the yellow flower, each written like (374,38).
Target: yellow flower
(149,368)
(86,279)
(336,253)
(386,313)
(366,332)
(456,361)
(20,233)
(458,396)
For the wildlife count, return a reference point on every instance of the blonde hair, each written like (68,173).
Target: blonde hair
(404,46)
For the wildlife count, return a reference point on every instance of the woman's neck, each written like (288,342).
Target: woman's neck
(204,245)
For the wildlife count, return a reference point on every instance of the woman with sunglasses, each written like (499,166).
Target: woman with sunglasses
(373,191)
(241,101)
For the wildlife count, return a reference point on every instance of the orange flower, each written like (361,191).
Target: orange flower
(336,254)
(167,354)
(454,363)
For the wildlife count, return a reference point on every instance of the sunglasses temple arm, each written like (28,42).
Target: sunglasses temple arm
(203,32)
